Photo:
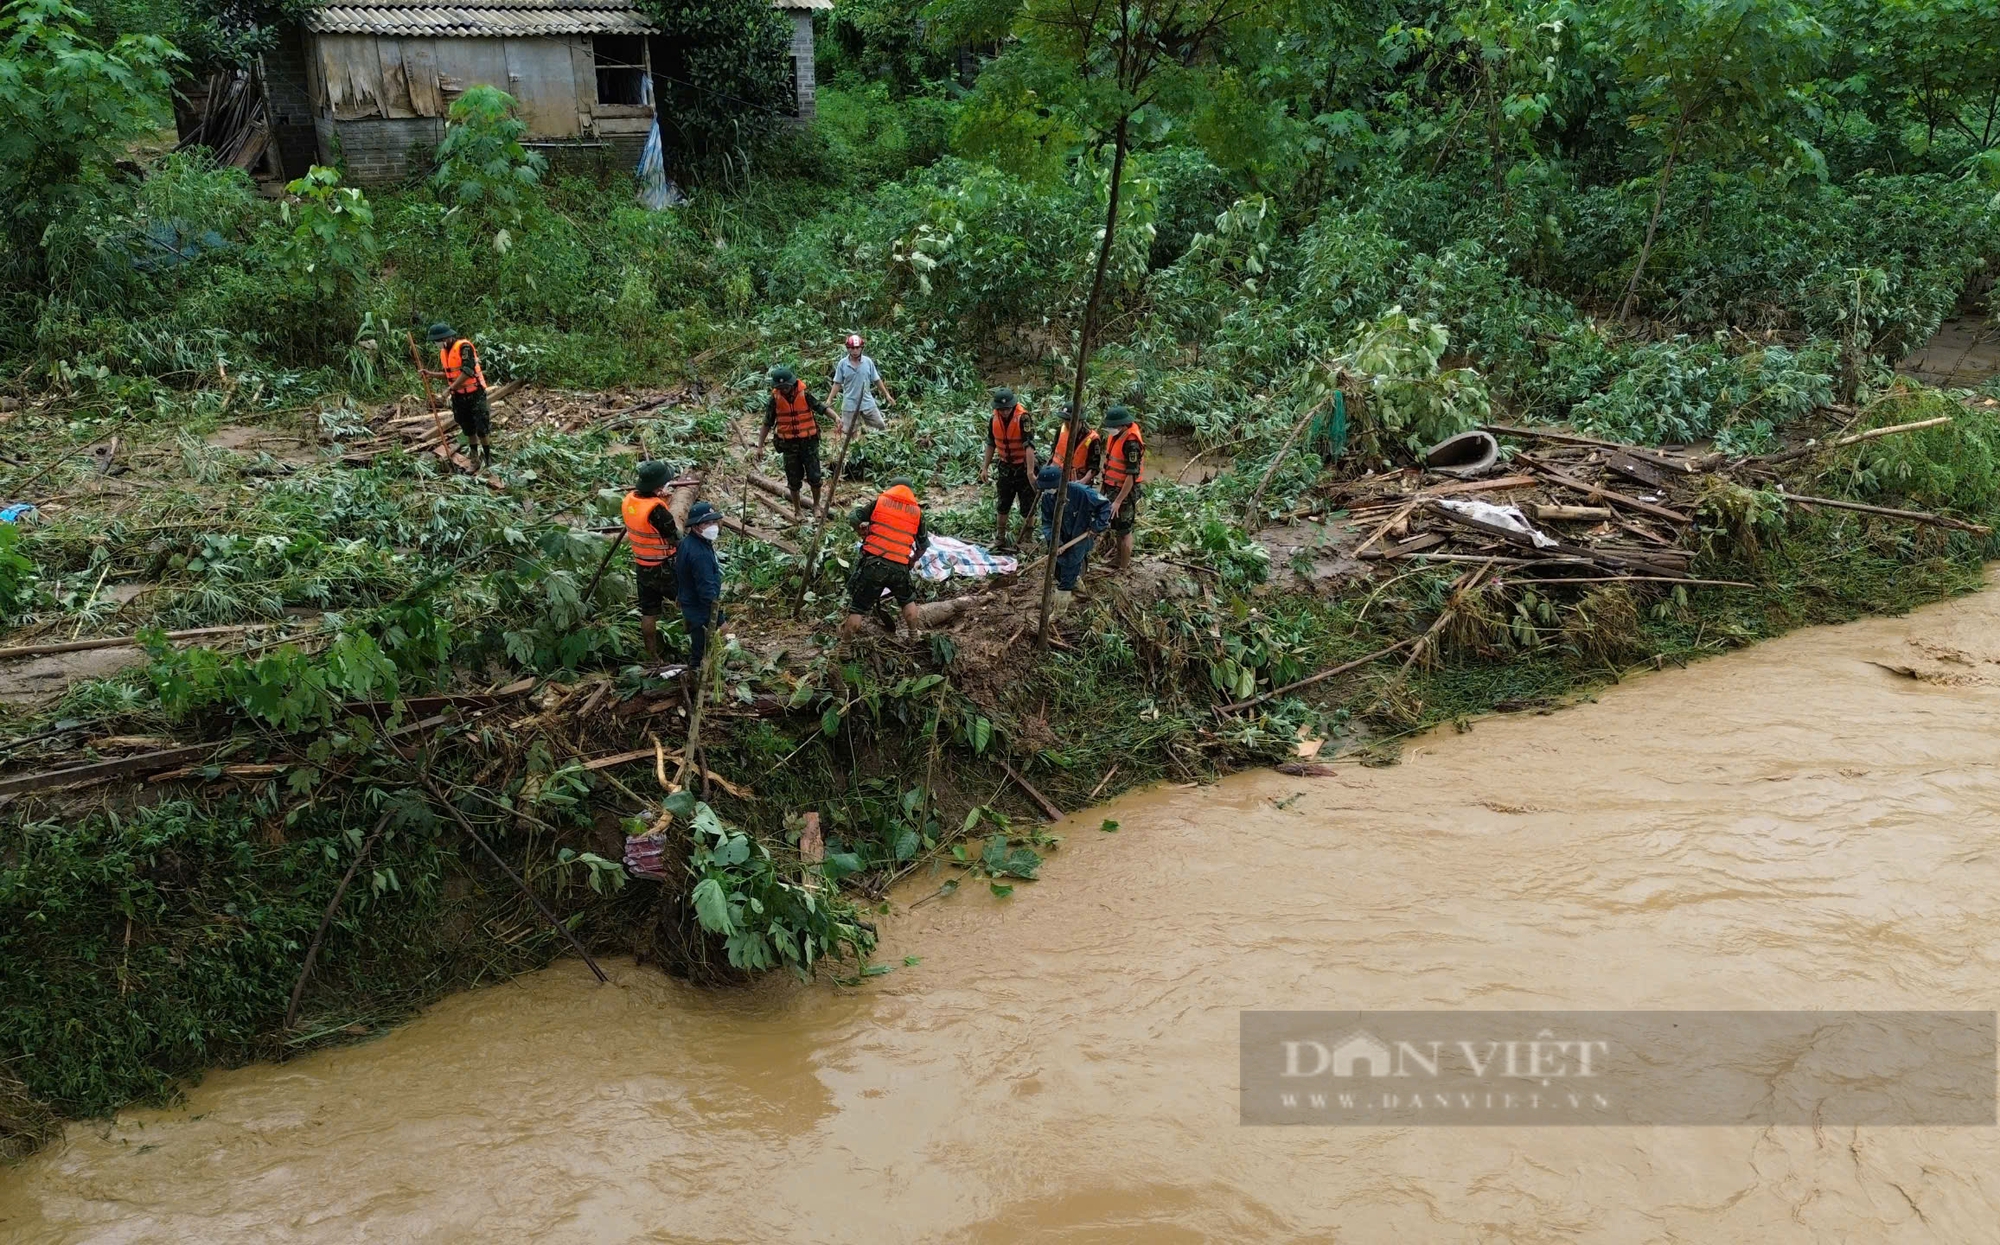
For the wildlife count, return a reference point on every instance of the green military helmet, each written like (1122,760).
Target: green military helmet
(1003,399)
(1119,417)
(653,475)
(440,332)
(782,376)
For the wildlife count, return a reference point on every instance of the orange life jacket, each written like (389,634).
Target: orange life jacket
(1010,441)
(1078,462)
(454,371)
(649,548)
(1115,470)
(892,529)
(795,416)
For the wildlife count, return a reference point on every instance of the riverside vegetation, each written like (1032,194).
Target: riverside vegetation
(1714,222)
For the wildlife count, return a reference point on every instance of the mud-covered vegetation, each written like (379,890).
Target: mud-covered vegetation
(1709,223)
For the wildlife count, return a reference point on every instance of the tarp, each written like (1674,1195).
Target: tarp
(948,556)
(657,191)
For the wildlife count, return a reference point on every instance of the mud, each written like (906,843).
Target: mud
(1964,354)
(1794,826)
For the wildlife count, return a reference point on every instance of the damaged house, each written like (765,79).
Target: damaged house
(366,83)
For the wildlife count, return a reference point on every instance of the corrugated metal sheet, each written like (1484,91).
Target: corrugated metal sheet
(479,19)
(825,6)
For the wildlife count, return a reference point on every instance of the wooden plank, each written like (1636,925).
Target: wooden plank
(103,771)
(420,68)
(395,80)
(1632,469)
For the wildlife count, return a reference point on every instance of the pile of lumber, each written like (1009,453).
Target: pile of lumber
(1604,511)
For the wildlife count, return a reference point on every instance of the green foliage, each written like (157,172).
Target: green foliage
(68,108)
(1680,391)
(1412,401)
(482,166)
(723,68)
(17,573)
(318,257)
(1954,468)
(285,688)
(763,917)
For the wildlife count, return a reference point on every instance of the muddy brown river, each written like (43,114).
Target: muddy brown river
(1809,824)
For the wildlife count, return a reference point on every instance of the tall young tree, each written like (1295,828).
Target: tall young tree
(1104,72)
(1709,78)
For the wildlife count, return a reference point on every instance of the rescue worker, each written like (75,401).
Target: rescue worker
(466,381)
(1124,462)
(852,377)
(1083,461)
(1009,439)
(651,531)
(791,412)
(1086,513)
(698,582)
(892,539)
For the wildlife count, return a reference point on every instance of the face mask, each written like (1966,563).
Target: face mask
(710,532)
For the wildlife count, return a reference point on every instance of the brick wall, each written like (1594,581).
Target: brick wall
(380,151)
(291,101)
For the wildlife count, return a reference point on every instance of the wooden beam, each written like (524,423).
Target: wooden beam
(104,771)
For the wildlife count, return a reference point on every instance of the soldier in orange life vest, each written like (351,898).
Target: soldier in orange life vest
(892,539)
(467,382)
(651,531)
(1009,438)
(790,412)
(1124,461)
(1080,464)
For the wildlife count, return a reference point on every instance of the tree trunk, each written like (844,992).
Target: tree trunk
(1653,225)
(1084,341)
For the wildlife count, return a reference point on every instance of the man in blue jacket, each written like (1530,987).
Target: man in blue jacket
(1086,513)
(698,580)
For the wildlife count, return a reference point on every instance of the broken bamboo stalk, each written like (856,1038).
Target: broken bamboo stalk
(1048,808)
(554,921)
(123,641)
(326,919)
(1549,512)
(1908,516)
(1309,680)
(1598,490)
(744,529)
(1803,451)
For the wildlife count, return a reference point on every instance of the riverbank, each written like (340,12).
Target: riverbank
(163,924)
(1796,825)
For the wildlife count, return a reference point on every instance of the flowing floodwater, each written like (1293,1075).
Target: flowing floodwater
(1808,824)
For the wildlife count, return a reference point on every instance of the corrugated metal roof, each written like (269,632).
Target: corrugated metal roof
(480,18)
(495,18)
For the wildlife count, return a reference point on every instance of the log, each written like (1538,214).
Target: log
(764,484)
(103,771)
(1048,808)
(1908,516)
(938,613)
(1309,680)
(1802,451)
(123,641)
